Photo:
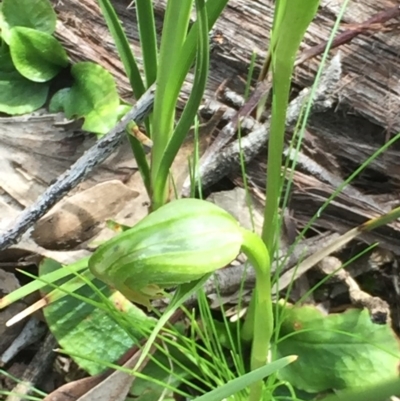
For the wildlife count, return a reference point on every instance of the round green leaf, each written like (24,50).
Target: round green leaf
(336,351)
(19,95)
(83,329)
(93,96)
(6,63)
(36,14)
(36,55)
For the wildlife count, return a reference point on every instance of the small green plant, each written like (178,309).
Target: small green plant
(31,58)
(182,242)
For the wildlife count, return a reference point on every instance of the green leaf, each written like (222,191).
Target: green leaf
(160,176)
(6,63)
(163,368)
(36,55)
(83,329)
(18,95)
(148,39)
(55,275)
(337,351)
(35,14)
(123,47)
(379,392)
(214,9)
(244,381)
(291,20)
(93,96)
(175,28)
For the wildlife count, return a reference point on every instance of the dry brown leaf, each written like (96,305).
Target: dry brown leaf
(74,390)
(234,202)
(78,218)
(106,386)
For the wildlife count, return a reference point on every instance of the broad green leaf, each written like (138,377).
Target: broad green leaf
(379,392)
(336,351)
(6,63)
(93,96)
(18,95)
(37,56)
(83,329)
(35,14)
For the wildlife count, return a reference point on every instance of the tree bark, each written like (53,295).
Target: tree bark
(365,116)
(370,86)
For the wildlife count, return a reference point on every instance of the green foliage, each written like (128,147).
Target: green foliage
(378,392)
(169,67)
(93,96)
(37,55)
(30,57)
(123,46)
(147,41)
(291,20)
(36,14)
(27,26)
(86,329)
(244,381)
(19,95)
(175,27)
(336,351)
(172,71)
(183,242)
(169,367)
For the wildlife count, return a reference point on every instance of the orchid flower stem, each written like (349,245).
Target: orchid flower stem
(260,313)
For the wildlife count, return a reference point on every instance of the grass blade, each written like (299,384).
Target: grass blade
(42,282)
(242,382)
(148,39)
(190,111)
(124,50)
(176,22)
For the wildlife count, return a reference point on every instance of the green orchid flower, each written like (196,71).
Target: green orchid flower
(182,242)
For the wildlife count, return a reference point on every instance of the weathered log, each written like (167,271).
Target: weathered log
(370,85)
(368,88)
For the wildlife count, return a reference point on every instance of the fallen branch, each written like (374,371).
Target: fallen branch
(78,171)
(221,164)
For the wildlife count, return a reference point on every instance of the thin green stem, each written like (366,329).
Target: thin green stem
(262,315)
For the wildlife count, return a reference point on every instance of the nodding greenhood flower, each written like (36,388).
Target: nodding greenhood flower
(178,243)
(181,242)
